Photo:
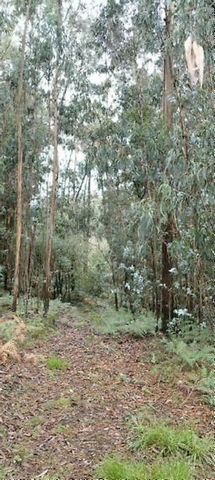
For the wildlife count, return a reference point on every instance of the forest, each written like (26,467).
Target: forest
(107,240)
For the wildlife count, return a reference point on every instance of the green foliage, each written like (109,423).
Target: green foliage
(7,330)
(207,386)
(176,470)
(3,473)
(111,322)
(171,441)
(56,363)
(191,355)
(116,469)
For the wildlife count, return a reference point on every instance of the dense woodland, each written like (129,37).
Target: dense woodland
(107,155)
(107,163)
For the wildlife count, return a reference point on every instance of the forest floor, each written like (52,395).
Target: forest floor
(62,423)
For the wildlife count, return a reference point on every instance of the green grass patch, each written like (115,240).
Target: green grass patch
(175,470)
(57,363)
(116,469)
(169,440)
(114,323)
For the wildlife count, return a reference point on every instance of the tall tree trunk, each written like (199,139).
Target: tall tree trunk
(167,283)
(55,168)
(16,281)
(52,209)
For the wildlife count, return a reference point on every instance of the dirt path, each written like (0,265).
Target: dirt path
(64,423)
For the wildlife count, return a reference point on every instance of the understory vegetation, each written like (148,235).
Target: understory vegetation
(168,453)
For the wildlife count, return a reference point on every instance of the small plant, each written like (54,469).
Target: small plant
(22,454)
(57,363)
(171,440)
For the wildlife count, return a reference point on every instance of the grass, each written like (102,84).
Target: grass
(57,363)
(116,469)
(62,402)
(114,323)
(169,440)
(22,454)
(3,473)
(36,422)
(64,430)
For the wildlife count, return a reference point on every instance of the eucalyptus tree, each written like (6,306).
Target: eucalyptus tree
(129,37)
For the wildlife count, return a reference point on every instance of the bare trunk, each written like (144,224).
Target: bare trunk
(167,283)
(16,282)
(52,211)
(55,169)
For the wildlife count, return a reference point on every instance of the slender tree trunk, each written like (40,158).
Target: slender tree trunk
(52,210)
(167,283)
(55,170)
(16,282)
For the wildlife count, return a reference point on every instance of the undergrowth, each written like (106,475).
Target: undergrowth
(111,322)
(167,453)
(192,355)
(207,386)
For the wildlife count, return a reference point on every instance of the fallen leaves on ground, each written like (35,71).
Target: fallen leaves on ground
(64,423)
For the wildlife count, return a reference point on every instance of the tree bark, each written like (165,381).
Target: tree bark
(167,283)
(16,281)
(52,210)
(55,169)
